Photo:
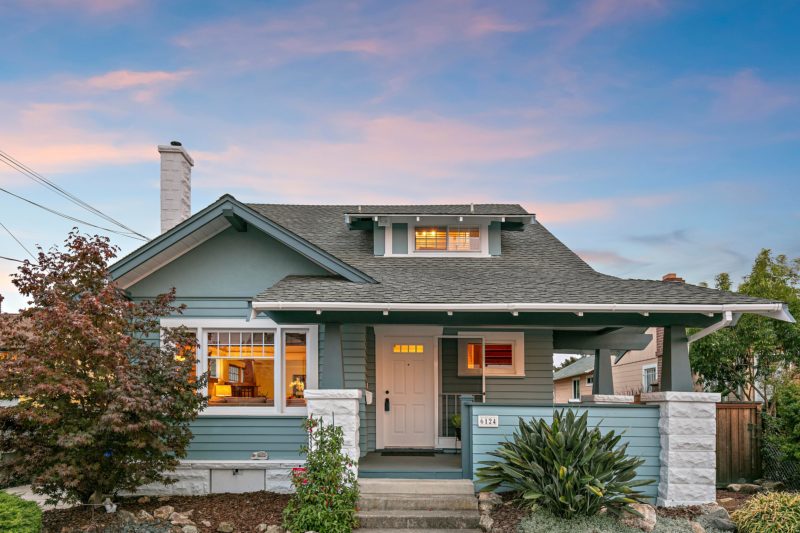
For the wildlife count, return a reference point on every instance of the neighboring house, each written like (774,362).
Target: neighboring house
(388,319)
(633,372)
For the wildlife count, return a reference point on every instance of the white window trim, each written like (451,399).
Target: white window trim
(572,392)
(645,368)
(517,341)
(279,409)
(412,223)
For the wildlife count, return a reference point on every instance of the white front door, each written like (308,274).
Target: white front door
(406,397)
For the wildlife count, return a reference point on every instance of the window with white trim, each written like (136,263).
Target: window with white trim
(254,367)
(504,354)
(576,389)
(649,377)
(447,239)
(589,381)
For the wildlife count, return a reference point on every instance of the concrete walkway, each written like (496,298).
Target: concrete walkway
(25,492)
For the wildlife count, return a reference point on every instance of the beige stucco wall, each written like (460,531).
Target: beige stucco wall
(562,389)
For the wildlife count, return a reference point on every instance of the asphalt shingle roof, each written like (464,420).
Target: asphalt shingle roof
(535,267)
(578,368)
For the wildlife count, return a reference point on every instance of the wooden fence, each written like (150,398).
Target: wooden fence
(738,442)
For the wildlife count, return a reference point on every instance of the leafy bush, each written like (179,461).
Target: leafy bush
(541,521)
(18,515)
(787,417)
(565,467)
(776,512)
(101,408)
(326,490)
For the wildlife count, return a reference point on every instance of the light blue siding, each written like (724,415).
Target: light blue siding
(234,438)
(230,265)
(639,424)
(494,238)
(400,238)
(379,239)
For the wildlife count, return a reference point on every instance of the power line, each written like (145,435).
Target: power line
(37,177)
(11,259)
(18,241)
(69,217)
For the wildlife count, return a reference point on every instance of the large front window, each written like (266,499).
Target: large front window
(447,239)
(254,367)
(241,367)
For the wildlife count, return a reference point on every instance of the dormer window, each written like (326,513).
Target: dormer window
(447,239)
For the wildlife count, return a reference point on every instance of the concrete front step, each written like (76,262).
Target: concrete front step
(424,502)
(415,519)
(424,487)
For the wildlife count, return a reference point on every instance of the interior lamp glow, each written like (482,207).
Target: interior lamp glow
(223,391)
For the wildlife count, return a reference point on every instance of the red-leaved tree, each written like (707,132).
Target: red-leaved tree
(103,406)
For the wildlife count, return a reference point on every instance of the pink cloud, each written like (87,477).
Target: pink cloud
(598,14)
(595,209)
(94,7)
(308,30)
(130,79)
(746,96)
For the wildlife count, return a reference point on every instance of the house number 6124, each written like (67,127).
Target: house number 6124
(488,421)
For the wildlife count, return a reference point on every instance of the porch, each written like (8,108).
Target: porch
(411,464)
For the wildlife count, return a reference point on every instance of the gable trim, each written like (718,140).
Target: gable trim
(226,207)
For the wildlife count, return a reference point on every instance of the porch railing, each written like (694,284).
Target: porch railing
(449,405)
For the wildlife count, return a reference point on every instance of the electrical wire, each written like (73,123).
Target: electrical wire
(37,177)
(68,217)
(18,241)
(11,259)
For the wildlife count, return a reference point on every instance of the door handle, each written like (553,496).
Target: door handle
(386,405)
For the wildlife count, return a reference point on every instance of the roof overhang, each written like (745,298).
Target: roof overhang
(777,311)
(366,221)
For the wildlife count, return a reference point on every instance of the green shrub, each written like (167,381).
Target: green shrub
(565,467)
(541,521)
(18,515)
(326,490)
(787,417)
(776,512)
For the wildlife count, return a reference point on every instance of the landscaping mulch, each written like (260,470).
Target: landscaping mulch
(245,511)
(732,500)
(689,513)
(507,516)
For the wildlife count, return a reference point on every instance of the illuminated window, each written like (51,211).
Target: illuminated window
(449,239)
(295,354)
(408,348)
(241,368)
(505,354)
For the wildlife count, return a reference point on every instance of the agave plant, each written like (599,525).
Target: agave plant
(565,467)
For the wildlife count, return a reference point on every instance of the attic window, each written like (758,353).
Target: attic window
(447,239)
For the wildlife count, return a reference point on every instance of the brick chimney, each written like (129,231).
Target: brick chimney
(672,277)
(176,184)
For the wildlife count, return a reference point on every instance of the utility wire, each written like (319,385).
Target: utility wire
(35,176)
(11,259)
(18,241)
(78,220)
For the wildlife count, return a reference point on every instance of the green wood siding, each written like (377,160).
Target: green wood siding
(230,265)
(451,382)
(371,409)
(537,385)
(640,424)
(236,437)
(354,355)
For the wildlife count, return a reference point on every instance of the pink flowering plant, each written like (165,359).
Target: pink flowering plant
(326,489)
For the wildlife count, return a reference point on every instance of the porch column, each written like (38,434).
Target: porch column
(603,379)
(687,435)
(338,407)
(676,373)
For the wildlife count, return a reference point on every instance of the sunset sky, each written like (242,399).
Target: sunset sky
(650,136)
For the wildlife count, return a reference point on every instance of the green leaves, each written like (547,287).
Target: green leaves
(326,490)
(565,467)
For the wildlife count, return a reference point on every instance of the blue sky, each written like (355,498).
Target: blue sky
(650,136)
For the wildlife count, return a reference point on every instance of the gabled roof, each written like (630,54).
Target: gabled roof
(222,214)
(584,365)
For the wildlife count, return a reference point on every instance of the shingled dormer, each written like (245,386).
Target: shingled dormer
(439,230)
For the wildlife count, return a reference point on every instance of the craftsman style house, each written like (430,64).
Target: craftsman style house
(389,319)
